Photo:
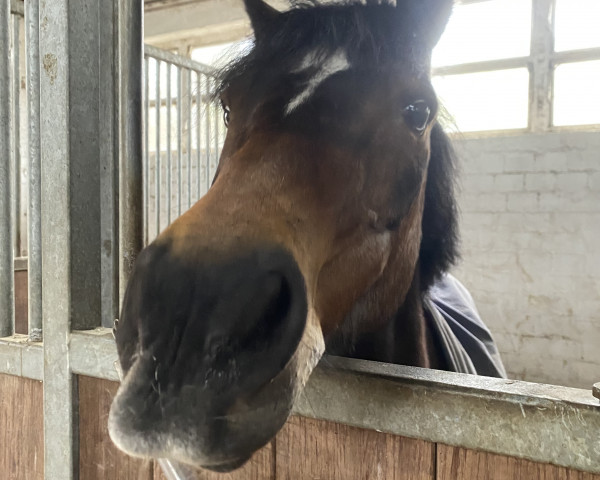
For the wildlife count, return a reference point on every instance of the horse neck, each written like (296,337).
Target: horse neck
(406,339)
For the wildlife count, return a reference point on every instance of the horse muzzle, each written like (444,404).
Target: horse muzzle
(214,352)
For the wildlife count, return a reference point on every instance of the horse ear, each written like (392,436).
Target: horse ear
(261,16)
(430,17)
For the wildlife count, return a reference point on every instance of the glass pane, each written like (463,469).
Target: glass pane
(576,98)
(485,31)
(577,24)
(495,100)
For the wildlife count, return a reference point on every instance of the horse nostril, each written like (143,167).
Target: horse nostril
(267,311)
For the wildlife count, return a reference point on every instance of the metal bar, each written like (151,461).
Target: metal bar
(541,69)
(180,61)
(582,55)
(34,235)
(20,357)
(7,307)
(60,460)
(179,153)
(109,165)
(169,106)
(157,162)
(198,129)
(487,66)
(146,166)
(130,139)
(189,136)
(16,131)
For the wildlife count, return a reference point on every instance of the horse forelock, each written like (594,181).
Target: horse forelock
(368,35)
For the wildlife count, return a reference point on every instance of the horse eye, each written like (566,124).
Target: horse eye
(226,114)
(417,115)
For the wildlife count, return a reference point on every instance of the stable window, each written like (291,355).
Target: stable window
(520,64)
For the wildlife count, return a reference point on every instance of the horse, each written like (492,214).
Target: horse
(331,215)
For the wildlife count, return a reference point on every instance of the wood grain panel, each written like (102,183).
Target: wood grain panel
(21,429)
(260,467)
(312,449)
(21,301)
(99,459)
(455,463)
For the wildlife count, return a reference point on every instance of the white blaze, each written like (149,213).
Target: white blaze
(337,62)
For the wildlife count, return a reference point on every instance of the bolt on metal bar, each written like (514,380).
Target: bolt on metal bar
(7,307)
(16,132)
(34,235)
(168,130)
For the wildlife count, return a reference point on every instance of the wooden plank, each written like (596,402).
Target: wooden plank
(455,463)
(99,459)
(260,467)
(314,449)
(21,429)
(21,301)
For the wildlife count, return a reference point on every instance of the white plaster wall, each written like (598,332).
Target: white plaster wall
(531,250)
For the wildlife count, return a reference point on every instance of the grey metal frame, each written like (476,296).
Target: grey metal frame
(540,63)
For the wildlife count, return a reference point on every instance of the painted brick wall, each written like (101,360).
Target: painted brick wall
(531,250)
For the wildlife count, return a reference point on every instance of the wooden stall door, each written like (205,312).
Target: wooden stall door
(455,463)
(21,429)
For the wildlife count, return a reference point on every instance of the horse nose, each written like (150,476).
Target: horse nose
(233,320)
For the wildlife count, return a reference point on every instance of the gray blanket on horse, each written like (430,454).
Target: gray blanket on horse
(466,342)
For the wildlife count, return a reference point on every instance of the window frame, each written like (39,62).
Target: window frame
(541,64)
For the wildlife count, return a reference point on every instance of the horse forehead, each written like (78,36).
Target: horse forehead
(323,67)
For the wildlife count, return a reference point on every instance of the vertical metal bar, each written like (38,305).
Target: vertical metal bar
(16,130)
(207,131)
(109,164)
(146,184)
(198,127)
(34,236)
(168,131)
(189,136)
(157,163)
(131,49)
(179,115)
(541,68)
(7,307)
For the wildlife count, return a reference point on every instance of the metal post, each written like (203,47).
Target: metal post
(541,68)
(168,130)
(146,186)
(16,132)
(34,235)
(7,307)
(130,136)
(179,115)
(157,162)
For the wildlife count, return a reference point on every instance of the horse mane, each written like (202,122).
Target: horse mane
(439,242)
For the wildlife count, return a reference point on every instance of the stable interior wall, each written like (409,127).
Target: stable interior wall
(530,227)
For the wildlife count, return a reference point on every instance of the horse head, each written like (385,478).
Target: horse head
(330,209)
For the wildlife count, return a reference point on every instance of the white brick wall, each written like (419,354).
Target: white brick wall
(531,250)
